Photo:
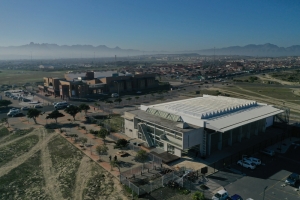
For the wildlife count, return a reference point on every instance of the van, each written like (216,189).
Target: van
(61,105)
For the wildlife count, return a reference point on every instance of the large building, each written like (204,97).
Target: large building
(207,123)
(92,83)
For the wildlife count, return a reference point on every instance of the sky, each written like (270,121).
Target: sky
(151,25)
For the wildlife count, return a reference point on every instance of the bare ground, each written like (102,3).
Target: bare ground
(21,159)
(50,178)
(83,174)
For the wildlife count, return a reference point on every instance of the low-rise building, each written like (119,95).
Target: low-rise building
(204,124)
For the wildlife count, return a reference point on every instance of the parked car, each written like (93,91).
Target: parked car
(292,179)
(247,164)
(24,108)
(26,100)
(220,195)
(296,143)
(139,92)
(114,95)
(61,105)
(268,152)
(254,160)
(13,113)
(38,106)
(12,109)
(236,197)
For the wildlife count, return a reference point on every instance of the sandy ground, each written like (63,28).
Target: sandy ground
(52,189)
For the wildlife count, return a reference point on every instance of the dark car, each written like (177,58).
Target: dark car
(236,197)
(296,143)
(292,179)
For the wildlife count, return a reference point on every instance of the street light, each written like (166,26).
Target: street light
(265,192)
(118,88)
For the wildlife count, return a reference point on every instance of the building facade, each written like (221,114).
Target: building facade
(89,85)
(205,124)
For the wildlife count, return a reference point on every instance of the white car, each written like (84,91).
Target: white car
(220,195)
(254,160)
(114,95)
(13,113)
(247,164)
(268,152)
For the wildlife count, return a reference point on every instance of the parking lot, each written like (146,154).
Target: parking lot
(270,176)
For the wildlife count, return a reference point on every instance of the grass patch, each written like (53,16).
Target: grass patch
(50,130)
(65,160)
(282,93)
(183,191)
(3,132)
(17,134)
(24,182)
(115,122)
(16,149)
(129,191)
(99,184)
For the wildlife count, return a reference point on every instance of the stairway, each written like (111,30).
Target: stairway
(143,130)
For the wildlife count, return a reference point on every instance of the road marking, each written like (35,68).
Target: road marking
(274,185)
(286,192)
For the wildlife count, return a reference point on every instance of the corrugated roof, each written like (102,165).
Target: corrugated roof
(214,112)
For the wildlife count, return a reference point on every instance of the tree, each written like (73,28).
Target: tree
(84,128)
(114,163)
(5,120)
(33,114)
(102,134)
(198,196)
(101,149)
(109,102)
(136,98)
(128,99)
(121,143)
(119,100)
(72,110)
(5,103)
(141,156)
(83,140)
(84,107)
(54,115)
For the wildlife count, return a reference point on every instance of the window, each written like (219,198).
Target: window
(170,149)
(130,130)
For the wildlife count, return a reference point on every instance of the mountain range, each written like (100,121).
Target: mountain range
(54,51)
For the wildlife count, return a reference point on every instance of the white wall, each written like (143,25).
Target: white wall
(269,121)
(129,125)
(177,152)
(192,138)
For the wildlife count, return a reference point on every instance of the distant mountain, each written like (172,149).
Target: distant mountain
(53,51)
(254,50)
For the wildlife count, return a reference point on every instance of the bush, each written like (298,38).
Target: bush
(121,143)
(198,196)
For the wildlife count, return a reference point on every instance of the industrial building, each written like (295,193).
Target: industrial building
(95,83)
(207,123)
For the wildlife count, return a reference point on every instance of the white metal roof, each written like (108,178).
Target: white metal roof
(218,112)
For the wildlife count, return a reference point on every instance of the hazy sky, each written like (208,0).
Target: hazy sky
(150,24)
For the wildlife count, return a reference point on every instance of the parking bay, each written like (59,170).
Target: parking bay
(272,174)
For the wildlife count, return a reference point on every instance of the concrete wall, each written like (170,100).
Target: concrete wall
(177,152)
(129,129)
(192,138)
(269,121)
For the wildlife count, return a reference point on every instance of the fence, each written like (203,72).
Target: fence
(153,182)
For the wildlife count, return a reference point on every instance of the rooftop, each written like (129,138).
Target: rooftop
(214,112)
